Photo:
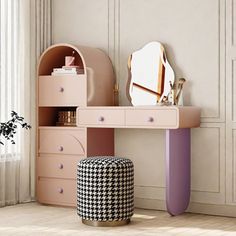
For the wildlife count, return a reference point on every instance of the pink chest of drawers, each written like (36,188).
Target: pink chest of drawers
(59,148)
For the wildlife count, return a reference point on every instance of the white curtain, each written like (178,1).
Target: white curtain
(20,46)
(41,38)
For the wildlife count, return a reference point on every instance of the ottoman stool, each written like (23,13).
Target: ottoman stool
(105,191)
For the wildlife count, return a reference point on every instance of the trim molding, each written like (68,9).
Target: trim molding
(201,208)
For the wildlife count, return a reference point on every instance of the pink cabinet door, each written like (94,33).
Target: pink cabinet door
(59,141)
(57,191)
(57,166)
(62,90)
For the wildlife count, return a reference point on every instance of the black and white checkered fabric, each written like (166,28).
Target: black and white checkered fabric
(105,189)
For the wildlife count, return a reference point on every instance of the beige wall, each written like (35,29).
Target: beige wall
(199,38)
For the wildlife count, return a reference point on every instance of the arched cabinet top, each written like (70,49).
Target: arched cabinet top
(54,57)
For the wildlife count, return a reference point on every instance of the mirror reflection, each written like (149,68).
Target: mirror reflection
(151,75)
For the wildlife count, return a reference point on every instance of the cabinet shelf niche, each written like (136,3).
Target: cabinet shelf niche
(54,57)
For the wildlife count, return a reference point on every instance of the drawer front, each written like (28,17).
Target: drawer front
(57,167)
(152,118)
(56,191)
(100,117)
(62,91)
(62,141)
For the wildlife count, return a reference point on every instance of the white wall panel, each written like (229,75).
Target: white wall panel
(231,103)
(146,148)
(233,91)
(206,158)
(208,164)
(233,22)
(233,77)
(234,164)
(81,22)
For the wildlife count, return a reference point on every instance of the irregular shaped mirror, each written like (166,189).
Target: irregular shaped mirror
(151,75)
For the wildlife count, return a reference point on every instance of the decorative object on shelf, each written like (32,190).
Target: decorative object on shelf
(65,70)
(8,129)
(171,96)
(175,95)
(66,118)
(69,68)
(179,92)
(70,60)
(150,75)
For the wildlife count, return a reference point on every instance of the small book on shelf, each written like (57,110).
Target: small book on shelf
(69,67)
(67,70)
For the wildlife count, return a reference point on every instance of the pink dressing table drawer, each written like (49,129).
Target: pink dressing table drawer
(57,191)
(101,117)
(62,90)
(57,167)
(152,118)
(60,141)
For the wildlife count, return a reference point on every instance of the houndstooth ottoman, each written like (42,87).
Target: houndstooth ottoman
(105,190)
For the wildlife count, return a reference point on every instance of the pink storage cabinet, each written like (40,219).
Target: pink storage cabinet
(59,148)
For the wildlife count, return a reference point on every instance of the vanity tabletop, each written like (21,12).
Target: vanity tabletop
(147,117)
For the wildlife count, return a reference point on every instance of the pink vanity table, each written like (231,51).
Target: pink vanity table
(90,94)
(177,122)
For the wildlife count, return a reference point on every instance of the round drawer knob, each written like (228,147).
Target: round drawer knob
(61,89)
(60,190)
(61,148)
(101,118)
(60,166)
(150,119)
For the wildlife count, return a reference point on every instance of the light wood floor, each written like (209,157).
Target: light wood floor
(33,219)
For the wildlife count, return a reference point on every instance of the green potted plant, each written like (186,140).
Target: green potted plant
(8,129)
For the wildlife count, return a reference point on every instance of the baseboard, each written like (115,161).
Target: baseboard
(212,209)
(208,209)
(150,204)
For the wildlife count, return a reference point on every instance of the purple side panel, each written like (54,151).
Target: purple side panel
(177,170)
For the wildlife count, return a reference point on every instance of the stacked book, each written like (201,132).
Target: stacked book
(68,70)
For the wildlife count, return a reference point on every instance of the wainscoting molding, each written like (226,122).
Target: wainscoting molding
(233,17)
(230,103)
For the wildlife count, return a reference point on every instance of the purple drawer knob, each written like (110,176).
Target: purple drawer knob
(60,190)
(61,148)
(150,119)
(60,166)
(101,118)
(61,89)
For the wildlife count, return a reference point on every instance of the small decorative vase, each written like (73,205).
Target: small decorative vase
(69,61)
